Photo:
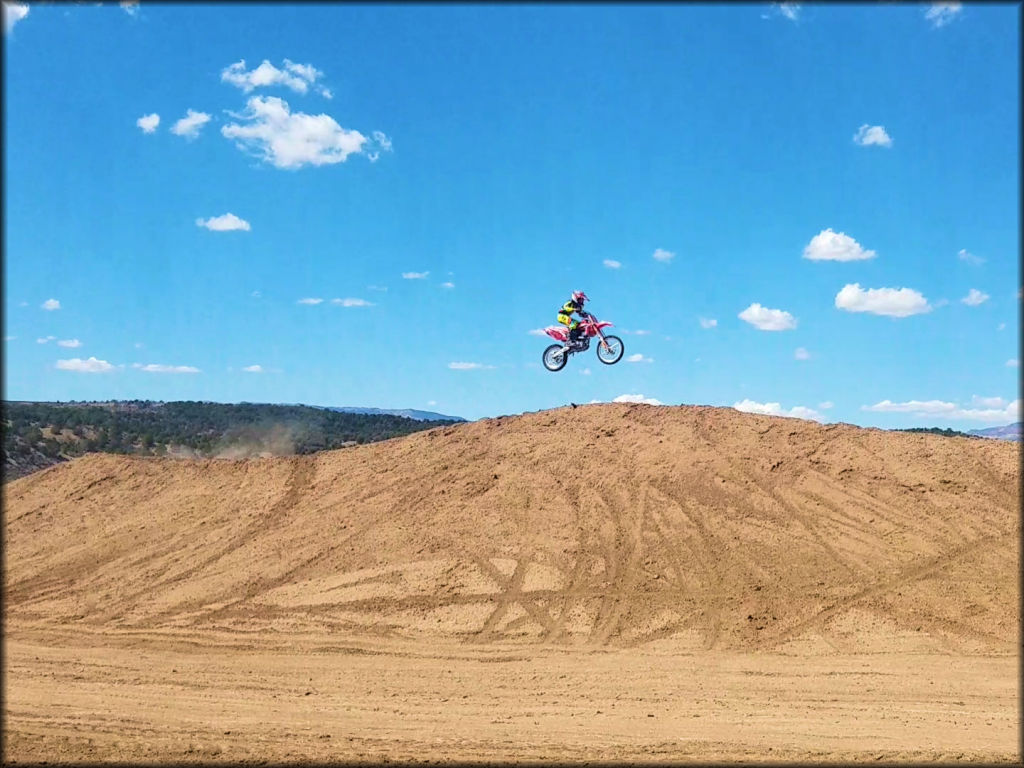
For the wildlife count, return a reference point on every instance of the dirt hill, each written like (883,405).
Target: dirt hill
(602,525)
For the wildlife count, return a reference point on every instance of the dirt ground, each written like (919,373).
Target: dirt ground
(90,697)
(707,586)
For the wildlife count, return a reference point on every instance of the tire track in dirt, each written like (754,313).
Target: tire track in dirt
(796,514)
(303,471)
(627,558)
(715,592)
(511,592)
(907,576)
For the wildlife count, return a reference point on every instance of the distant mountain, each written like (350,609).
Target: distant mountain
(1009,432)
(409,413)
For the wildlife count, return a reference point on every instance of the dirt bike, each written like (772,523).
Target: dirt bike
(609,350)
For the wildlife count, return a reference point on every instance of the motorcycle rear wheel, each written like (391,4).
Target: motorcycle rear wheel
(553,361)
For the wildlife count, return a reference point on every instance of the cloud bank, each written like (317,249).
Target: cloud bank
(776,409)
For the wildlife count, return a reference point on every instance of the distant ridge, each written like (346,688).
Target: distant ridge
(409,413)
(1008,432)
(38,435)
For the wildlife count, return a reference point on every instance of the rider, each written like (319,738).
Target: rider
(575,304)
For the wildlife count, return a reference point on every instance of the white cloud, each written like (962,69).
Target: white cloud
(190,125)
(766,319)
(638,358)
(988,402)
(13,13)
(826,405)
(1008,413)
(131,7)
(253,369)
(663,255)
(431,402)
(924,407)
(71,343)
(449,285)
(256,294)
(969,257)
(975,297)
(708,322)
(290,141)
(612,263)
(380,143)
(585,372)
(1001,327)
(637,399)
(801,412)
(92,365)
(893,302)
(776,409)
(226,223)
(352,302)
(148,123)
(941,14)
(139,345)
(469,366)
(868,135)
(1013,363)
(790,10)
(921,408)
(157,368)
(45,339)
(298,77)
(802,354)
(992,409)
(835,246)
(10,338)
(310,301)
(50,304)
(376,287)
(537,332)
(415,275)
(637,333)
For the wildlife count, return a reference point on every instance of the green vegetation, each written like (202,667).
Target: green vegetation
(936,431)
(40,434)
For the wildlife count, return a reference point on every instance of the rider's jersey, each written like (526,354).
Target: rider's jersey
(565,313)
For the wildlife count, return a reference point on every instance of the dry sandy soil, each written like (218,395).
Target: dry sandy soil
(608,582)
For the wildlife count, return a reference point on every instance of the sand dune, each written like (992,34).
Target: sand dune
(601,531)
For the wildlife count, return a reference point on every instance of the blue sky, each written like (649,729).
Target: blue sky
(822,186)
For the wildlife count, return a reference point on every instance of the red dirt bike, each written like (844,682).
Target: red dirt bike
(609,350)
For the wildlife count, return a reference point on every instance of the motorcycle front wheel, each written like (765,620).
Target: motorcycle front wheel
(554,358)
(613,352)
